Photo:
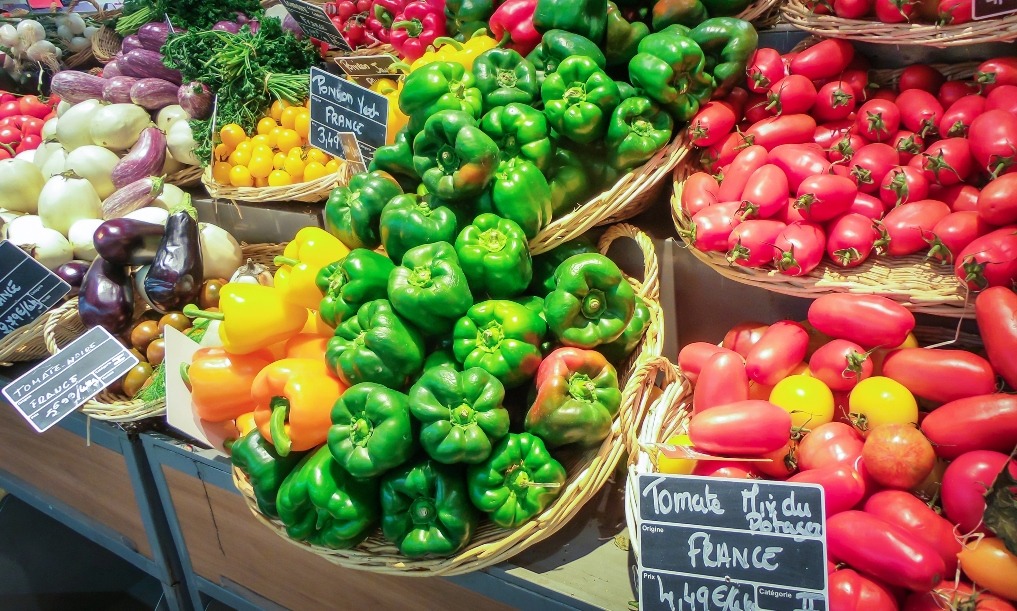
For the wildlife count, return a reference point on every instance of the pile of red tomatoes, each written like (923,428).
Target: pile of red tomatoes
(21,120)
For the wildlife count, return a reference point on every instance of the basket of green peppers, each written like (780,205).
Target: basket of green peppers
(471,429)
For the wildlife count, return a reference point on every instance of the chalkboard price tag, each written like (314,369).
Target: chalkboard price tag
(315,22)
(27,288)
(367,65)
(708,543)
(338,106)
(983,9)
(65,381)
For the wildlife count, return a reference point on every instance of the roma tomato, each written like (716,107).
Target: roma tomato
(852,9)
(850,591)
(829,133)
(844,149)
(989,260)
(903,184)
(711,226)
(940,376)
(798,163)
(712,123)
(824,60)
(879,400)
(765,192)
(996,202)
(834,443)
(965,482)
(780,463)
(777,352)
(990,565)
(693,357)
(993,142)
(907,227)
(868,320)
(835,101)
(867,206)
(751,242)
(996,314)
(955,12)
(859,81)
(920,111)
(791,95)
(985,422)
(825,196)
(743,336)
(699,191)
(765,68)
(875,547)
(737,176)
(785,129)
(725,468)
(920,76)
(878,120)
(843,487)
(993,73)
(755,108)
(801,245)
(947,162)
(908,144)
(1004,98)
(952,595)
(871,163)
(959,197)
(894,11)
(912,514)
(808,400)
(851,240)
(718,155)
(840,364)
(745,428)
(958,116)
(721,381)
(953,233)
(897,456)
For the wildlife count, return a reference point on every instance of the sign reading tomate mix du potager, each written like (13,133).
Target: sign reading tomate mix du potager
(728,544)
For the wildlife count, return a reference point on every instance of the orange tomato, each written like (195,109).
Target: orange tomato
(221,172)
(265,125)
(289,117)
(232,135)
(240,176)
(991,566)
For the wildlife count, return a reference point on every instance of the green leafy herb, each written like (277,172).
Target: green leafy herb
(184,14)
(1001,508)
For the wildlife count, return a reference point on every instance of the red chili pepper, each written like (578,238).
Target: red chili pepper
(417,27)
(512,25)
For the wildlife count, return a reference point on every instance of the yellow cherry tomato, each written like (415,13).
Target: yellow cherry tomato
(279,178)
(879,400)
(332,166)
(266,125)
(246,146)
(277,108)
(240,176)
(240,157)
(221,172)
(307,103)
(676,466)
(288,140)
(314,170)
(261,182)
(260,165)
(302,123)
(222,152)
(807,399)
(232,134)
(263,140)
(289,117)
(279,160)
(262,149)
(318,155)
(294,166)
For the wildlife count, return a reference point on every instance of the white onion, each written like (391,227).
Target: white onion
(8,35)
(41,51)
(30,32)
(78,43)
(90,31)
(76,24)
(64,32)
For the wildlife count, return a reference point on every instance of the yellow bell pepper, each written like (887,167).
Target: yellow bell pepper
(316,325)
(245,424)
(315,246)
(253,317)
(303,258)
(396,119)
(463,53)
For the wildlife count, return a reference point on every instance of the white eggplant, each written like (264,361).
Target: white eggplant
(159,216)
(94,164)
(169,115)
(118,126)
(73,128)
(47,246)
(181,144)
(220,253)
(22,182)
(80,236)
(65,200)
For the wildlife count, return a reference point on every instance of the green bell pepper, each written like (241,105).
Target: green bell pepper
(531,302)
(439,86)
(591,303)
(626,91)
(670,69)
(353,211)
(376,345)
(623,38)
(442,356)
(495,256)
(584,17)
(454,158)
(521,131)
(397,160)
(570,183)
(577,398)
(556,45)
(411,220)
(266,469)
(545,264)
(501,337)
(578,99)
(324,505)
(729,44)
(429,288)
(689,13)
(638,129)
(519,193)
(517,482)
(426,510)
(351,282)
(503,77)
(464,17)
(372,430)
(618,350)
(460,413)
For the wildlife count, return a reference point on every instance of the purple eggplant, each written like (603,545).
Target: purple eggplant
(118,89)
(73,86)
(73,273)
(143,63)
(111,70)
(127,199)
(154,93)
(196,99)
(131,43)
(128,241)
(106,297)
(146,158)
(175,277)
(254,25)
(153,35)
(227,26)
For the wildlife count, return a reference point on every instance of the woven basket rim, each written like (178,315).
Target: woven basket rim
(106,43)
(307,192)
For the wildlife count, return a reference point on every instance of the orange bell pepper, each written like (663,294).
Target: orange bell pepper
(293,401)
(220,382)
(306,346)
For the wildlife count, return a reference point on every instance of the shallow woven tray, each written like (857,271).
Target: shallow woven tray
(587,471)
(999,29)
(308,192)
(106,44)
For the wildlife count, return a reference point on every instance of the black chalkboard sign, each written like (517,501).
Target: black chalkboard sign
(367,65)
(338,106)
(710,543)
(59,385)
(983,9)
(27,288)
(314,21)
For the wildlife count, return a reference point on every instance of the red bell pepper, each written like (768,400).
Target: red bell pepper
(513,20)
(381,16)
(417,27)
(350,18)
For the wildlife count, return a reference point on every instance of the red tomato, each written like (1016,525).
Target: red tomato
(32,126)
(5,153)
(712,123)
(965,482)
(985,422)
(951,91)
(7,97)
(791,95)
(894,11)
(940,375)
(952,595)
(711,226)
(828,134)
(699,191)
(850,591)
(751,242)
(833,443)
(840,364)
(743,336)
(990,565)
(958,116)
(859,81)
(693,357)
(901,185)
(29,143)
(908,144)
(737,176)
(10,136)
(912,514)
(765,68)
(920,111)
(844,149)
(989,260)
(785,129)
(801,246)
(996,202)
(852,238)
(725,468)
(897,456)
(745,428)
(825,196)
(878,120)
(959,197)
(953,233)
(782,463)
(920,76)
(777,352)
(798,163)
(907,226)
(852,9)
(889,95)
(1003,97)
(824,60)
(721,381)
(867,206)
(835,101)
(842,486)
(955,12)
(755,108)
(996,72)
(720,154)
(765,192)
(947,162)
(996,314)
(868,320)
(993,140)
(10,109)
(34,107)
(875,547)
(871,163)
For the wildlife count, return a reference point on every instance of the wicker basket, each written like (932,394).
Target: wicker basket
(588,470)
(762,13)
(28,344)
(63,326)
(798,14)
(308,192)
(186,177)
(106,44)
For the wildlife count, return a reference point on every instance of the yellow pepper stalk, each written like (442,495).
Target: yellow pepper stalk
(253,317)
(396,119)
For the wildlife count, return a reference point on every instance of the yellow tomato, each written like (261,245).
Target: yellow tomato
(314,170)
(808,400)
(289,117)
(261,182)
(240,176)
(294,166)
(240,157)
(279,178)
(277,108)
(222,152)
(260,165)
(880,400)
(247,146)
(262,149)
(221,172)
(266,125)
(263,140)
(232,134)
(279,160)
(287,140)
(302,123)
(307,103)
(677,466)
(332,166)
(318,155)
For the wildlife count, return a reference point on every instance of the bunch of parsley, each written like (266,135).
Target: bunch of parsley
(184,14)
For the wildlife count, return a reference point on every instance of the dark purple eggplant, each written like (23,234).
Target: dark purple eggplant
(73,86)
(129,198)
(106,298)
(131,43)
(118,89)
(196,99)
(143,63)
(175,277)
(153,35)
(146,158)
(128,241)
(154,93)
(73,273)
